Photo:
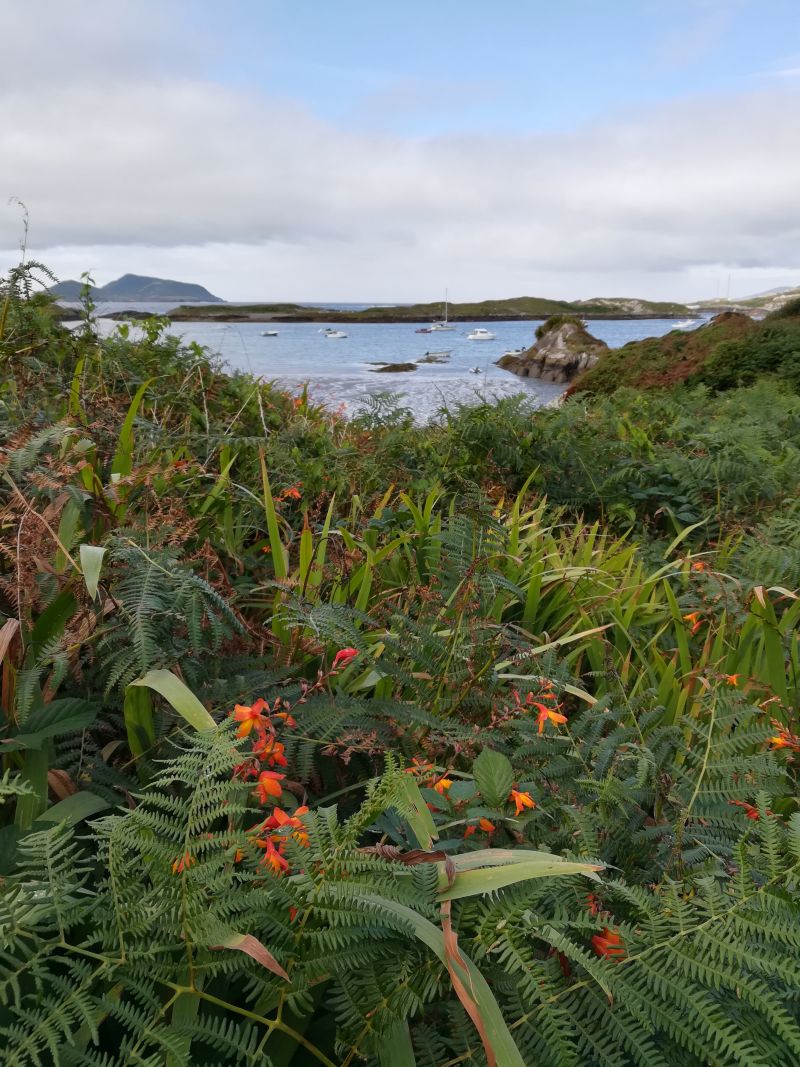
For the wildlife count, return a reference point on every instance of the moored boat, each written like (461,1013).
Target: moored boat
(481,334)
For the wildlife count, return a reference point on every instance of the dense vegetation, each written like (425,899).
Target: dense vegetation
(731,350)
(360,743)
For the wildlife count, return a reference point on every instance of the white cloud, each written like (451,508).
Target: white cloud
(128,161)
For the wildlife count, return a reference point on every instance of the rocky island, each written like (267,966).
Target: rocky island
(563,349)
(136,288)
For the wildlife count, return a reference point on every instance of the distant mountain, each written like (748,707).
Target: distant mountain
(135,288)
(772,300)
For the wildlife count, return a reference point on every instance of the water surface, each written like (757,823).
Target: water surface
(343,372)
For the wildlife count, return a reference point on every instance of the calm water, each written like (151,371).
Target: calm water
(342,372)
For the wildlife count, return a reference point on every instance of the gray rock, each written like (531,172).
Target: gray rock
(395,368)
(563,349)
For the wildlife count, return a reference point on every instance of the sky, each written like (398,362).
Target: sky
(381,151)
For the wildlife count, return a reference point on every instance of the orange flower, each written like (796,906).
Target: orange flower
(694,618)
(483,824)
(419,767)
(270,751)
(269,785)
(700,565)
(343,657)
(546,713)
(288,720)
(750,810)
(279,819)
(732,679)
(592,904)
(249,717)
(522,800)
(784,738)
(273,857)
(779,742)
(443,785)
(608,944)
(183,863)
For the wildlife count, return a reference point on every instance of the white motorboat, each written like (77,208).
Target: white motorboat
(514,352)
(269,333)
(334,335)
(480,334)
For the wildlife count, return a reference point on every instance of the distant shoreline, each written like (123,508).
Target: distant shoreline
(524,309)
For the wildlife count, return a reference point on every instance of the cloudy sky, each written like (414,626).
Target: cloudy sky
(376,151)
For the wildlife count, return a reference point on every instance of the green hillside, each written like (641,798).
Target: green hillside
(732,349)
(520,308)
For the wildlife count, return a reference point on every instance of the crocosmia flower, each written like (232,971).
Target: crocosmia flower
(343,657)
(269,786)
(608,944)
(522,800)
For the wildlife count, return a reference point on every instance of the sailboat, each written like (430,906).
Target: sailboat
(443,324)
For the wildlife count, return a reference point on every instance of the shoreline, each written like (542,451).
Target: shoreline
(355,317)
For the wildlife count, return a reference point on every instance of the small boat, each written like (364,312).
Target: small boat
(443,324)
(480,334)
(269,333)
(514,352)
(424,329)
(334,335)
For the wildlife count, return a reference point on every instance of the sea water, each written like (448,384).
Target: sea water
(342,373)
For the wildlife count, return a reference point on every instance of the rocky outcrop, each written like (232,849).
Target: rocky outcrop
(395,368)
(563,349)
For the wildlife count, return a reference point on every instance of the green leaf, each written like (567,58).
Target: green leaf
(35,766)
(470,883)
(139,725)
(494,777)
(74,809)
(253,947)
(91,563)
(396,1049)
(52,620)
(69,529)
(277,551)
(182,699)
(65,716)
(505,1049)
(417,813)
(122,462)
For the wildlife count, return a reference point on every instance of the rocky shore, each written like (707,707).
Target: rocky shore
(563,349)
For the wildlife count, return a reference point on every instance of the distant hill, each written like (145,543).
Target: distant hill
(732,349)
(520,308)
(135,288)
(772,300)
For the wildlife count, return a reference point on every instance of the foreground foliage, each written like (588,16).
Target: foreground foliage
(493,764)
